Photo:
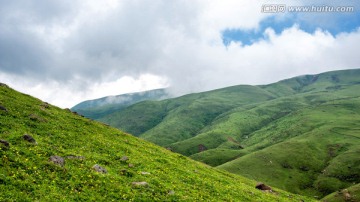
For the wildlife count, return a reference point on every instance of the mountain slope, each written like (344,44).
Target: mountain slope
(98,108)
(321,159)
(28,174)
(182,118)
(348,194)
(298,118)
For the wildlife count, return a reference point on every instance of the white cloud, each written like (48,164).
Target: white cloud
(93,49)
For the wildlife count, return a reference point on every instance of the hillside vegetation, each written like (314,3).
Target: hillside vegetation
(51,154)
(100,107)
(301,134)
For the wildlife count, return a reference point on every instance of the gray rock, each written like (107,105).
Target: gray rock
(171,192)
(124,159)
(99,169)
(58,160)
(144,173)
(131,165)
(35,117)
(29,138)
(75,157)
(45,105)
(139,184)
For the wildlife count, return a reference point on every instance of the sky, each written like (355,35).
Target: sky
(68,51)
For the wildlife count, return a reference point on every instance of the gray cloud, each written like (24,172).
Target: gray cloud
(73,47)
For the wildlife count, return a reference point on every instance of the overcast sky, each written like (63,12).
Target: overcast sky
(68,51)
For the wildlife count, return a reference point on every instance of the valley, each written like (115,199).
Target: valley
(300,134)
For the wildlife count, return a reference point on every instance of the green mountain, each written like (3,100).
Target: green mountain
(98,108)
(51,154)
(300,134)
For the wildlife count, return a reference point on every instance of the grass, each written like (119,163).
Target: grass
(27,175)
(307,125)
(321,159)
(340,196)
(98,108)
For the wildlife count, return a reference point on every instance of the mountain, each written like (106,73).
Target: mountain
(98,108)
(51,154)
(299,134)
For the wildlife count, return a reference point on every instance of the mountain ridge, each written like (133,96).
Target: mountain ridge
(227,125)
(103,106)
(48,154)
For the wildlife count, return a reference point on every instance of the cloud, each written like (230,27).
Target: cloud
(68,51)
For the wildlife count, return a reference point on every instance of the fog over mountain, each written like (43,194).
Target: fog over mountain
(68,51)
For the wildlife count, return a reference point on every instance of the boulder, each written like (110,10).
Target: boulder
(45,105)
(139,184)
(124,159)
(75,157)
(58,160)
(35,117)
(99,169)
(263,187)
(29,138)
(346,195)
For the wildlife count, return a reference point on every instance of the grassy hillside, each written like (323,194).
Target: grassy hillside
(348,194)
(320,160)
(27,174)
(173,120)
(305,126)
(98,108)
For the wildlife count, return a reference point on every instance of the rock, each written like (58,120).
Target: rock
(4,143)
(99,169)
(263,187)
(131,165)
(29,138)
(169,148)
(124,159)
(346,195)
(75,157)
(139,184)
(58,160)
(3,108)
(171,192)
(144,173)
(45,105)
(35,117)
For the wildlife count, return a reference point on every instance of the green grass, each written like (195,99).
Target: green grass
(339,196)
(319,160)
(27,175)
(98,108)
(297,122)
